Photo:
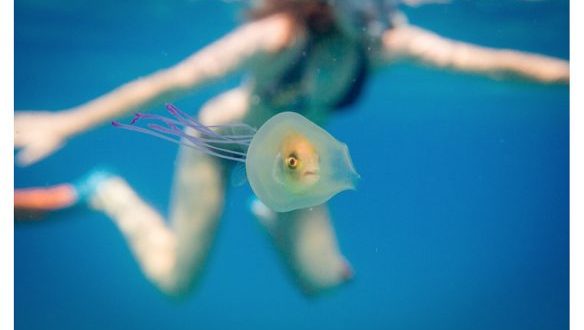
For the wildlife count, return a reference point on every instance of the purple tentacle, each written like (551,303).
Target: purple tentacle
(175,128)
(188,121)
(195,139)
(238,139)
(191,144)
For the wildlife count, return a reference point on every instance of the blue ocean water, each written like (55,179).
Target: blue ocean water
(460,220)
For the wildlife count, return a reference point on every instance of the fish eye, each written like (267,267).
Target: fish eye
(292,162)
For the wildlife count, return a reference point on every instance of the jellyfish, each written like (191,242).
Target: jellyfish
(290,162)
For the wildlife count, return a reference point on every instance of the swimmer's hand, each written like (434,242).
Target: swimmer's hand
(38,134)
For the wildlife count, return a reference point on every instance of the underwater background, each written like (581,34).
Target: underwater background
(460,220)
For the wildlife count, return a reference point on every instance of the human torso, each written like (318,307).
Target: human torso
(313,76)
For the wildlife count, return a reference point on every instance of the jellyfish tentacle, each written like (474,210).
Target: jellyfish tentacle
(192,123)
(189,121)
(235,125)
(149,132)
(175,125)
(207,141)
(156,127)
(168,121)
(195,140)
(190,143)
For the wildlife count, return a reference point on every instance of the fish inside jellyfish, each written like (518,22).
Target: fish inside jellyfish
(290,162)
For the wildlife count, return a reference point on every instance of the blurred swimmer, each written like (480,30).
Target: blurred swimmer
(309,56)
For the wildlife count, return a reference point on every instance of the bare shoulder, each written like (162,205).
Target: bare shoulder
(275,32)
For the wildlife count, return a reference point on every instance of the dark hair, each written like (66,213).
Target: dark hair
(317,15)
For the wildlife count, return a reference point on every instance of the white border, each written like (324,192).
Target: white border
(7,160)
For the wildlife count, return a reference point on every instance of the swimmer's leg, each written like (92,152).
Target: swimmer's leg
(173,256)
(149,239)
(170,256)
(305,239)
(199,188)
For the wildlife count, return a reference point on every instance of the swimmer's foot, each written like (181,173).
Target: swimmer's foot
(33,203)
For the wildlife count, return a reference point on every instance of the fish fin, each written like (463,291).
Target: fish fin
(263,213)
(238,175)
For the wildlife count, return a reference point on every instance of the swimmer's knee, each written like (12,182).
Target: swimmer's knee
(169,276)
(209,114)
(174,285)
(164,275)
(228,107)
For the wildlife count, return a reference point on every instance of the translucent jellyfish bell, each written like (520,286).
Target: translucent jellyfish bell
(290,162)
(293,164)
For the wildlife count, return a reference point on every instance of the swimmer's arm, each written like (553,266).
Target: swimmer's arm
(41,133)
(219,59)
(413,43)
